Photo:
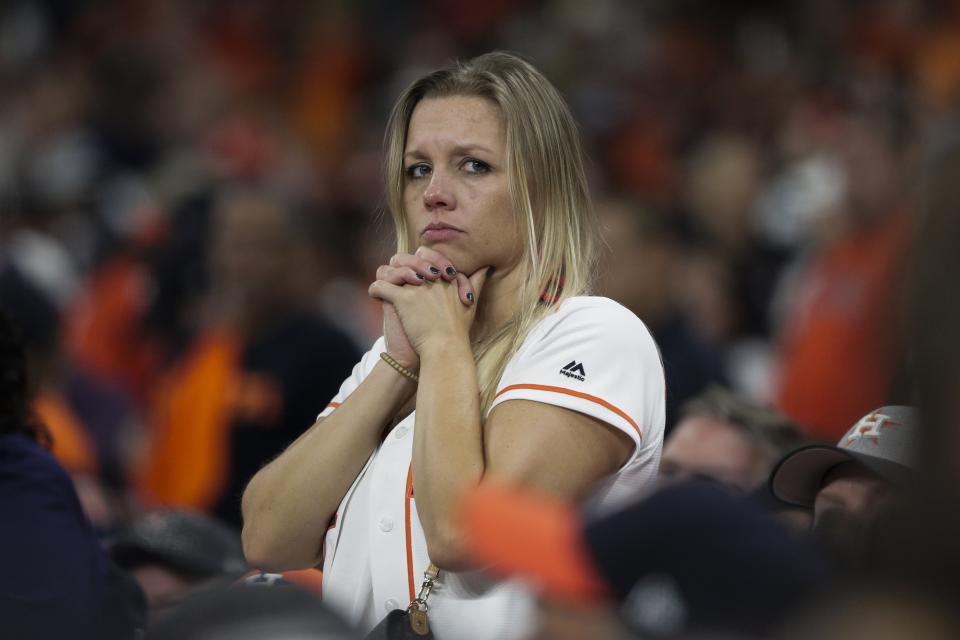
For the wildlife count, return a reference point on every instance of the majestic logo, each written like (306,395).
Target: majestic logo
(574,370)
(869,428)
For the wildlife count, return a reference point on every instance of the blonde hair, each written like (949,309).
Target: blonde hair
(548,188)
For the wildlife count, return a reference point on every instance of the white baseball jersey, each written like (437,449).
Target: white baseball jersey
(592,356)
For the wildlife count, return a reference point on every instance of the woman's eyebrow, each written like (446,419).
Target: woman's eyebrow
(457,150)
(463,149)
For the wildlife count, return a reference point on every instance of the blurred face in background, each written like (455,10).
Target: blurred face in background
(457,189)
(701,446)
(722,183)
(872,171)
(256,261)
(706,294)
(641,268)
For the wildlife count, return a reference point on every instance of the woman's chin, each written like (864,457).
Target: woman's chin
(462,260)
(471,266)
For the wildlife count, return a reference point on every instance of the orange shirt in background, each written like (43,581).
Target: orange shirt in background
(838,353)
(186,460)
(72,445)
(102,328)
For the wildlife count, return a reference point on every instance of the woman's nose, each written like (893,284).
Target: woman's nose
(438,193)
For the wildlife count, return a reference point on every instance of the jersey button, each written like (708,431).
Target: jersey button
(390,605)
(400,432)
(386,524)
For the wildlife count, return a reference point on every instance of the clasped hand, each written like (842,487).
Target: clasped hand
(425,301)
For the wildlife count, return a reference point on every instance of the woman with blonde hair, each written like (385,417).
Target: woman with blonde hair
(494,364)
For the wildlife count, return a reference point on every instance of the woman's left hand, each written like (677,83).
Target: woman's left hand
(433,311)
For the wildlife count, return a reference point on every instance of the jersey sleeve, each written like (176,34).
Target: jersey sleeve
(598,359)
(360,371)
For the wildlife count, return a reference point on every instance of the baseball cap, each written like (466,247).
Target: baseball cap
(693,557)
(883,441)
(190,543)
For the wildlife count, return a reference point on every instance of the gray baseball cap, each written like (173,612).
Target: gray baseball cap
(884,441)
(190,543)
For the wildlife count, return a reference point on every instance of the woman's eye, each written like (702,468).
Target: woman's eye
(471,165)
(418,171)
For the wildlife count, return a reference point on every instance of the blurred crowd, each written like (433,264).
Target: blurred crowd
(190,215)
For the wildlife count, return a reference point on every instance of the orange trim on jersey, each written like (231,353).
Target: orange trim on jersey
(408,496)
(332,405)
(577,394)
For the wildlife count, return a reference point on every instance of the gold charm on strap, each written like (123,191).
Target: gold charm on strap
(418,620)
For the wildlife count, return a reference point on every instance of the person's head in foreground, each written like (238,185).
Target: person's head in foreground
(848,484)
(484,165)
(694,559)
(726,439)
(251,612)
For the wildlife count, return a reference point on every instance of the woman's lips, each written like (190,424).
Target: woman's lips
(440,234)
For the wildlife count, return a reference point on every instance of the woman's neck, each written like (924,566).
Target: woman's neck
(499,303)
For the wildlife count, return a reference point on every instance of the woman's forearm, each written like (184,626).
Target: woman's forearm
(448,445)
(288,504)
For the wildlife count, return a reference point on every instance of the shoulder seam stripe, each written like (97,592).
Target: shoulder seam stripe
(578,394)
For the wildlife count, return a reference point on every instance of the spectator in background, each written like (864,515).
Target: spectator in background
(730,268)
(721,184)
(54,577)
(643,273)
(249,382)
(849,485)
(36,282)
(838,352)
(909,588)
(33,308)
(722,181)
(724,438)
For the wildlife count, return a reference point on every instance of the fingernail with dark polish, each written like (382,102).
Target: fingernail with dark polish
(470,297)
(451,271)
(435,271)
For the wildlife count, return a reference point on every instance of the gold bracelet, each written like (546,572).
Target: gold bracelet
(402,370)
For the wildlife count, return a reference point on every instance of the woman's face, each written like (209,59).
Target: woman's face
(456,193)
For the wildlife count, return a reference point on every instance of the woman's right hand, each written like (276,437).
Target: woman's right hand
(406,269)
(398,345)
